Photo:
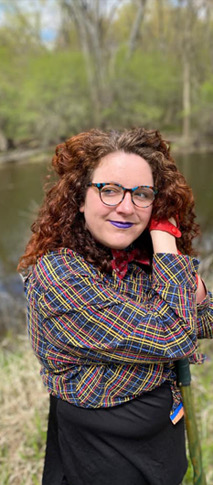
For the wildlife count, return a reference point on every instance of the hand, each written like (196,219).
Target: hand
(163,234)
(165,225)
(201,290)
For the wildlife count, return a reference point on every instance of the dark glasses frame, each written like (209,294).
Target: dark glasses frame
(100,186)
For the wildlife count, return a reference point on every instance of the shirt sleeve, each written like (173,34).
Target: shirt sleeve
(205,317)
(95,324)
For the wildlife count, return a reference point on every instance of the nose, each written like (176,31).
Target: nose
(126,206)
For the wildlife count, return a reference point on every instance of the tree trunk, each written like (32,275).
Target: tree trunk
(136,28)
(89,19)
(186,48)
(186,128)
(3,142)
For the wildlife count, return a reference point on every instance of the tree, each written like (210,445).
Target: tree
(140,13)
(94,22)
(114,63)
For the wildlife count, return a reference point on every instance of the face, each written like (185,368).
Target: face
(129,170)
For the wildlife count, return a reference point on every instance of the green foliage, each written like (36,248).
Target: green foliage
(202,116)
(46,94)
(43,103)
(53,85)
(10,80)
(147,89)
(207,91)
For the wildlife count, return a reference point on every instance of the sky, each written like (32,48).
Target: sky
(49,14)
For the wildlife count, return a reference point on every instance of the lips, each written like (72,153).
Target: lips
(121,225)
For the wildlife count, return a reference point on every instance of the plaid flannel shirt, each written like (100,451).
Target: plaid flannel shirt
(102,341)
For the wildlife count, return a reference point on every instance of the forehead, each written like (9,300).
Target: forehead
(123,168)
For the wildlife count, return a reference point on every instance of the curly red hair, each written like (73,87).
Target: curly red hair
(59,222)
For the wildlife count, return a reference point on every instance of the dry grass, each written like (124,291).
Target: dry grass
(24,408)
(203,399)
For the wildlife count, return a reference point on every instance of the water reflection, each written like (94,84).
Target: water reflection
(198,171)
(20,194)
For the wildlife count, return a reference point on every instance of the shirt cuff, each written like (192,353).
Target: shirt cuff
(204,304)
(175,269)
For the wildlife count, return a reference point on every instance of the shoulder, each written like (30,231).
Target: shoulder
(61,262)
(58,265)
(62,278)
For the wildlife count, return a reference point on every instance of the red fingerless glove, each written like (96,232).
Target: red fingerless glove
(166,226)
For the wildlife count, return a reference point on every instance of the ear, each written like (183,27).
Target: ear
(81,209)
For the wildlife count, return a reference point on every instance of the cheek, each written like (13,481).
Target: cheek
(93,208)
(88,202)
(147,216)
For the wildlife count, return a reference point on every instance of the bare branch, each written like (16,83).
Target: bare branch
(136,27)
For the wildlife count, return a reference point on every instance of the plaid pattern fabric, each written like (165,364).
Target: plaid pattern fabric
(102,341)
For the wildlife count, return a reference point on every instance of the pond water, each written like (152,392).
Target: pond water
(21,194)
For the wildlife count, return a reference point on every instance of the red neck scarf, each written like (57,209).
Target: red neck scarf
(121,258)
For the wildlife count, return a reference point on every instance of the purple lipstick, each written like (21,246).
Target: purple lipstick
(121,225)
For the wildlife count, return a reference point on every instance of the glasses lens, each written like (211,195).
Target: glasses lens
(111,194)
(143,197)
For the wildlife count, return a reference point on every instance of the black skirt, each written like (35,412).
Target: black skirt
(131,444)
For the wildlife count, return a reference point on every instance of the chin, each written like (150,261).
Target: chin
(121,244)
(119,247)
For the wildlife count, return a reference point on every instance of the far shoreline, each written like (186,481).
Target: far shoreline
(29,155)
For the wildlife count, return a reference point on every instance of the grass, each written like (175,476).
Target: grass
(203,403)
(24,409)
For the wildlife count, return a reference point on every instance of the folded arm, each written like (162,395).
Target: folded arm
(95,324)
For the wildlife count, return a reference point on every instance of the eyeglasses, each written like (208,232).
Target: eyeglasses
(112,194)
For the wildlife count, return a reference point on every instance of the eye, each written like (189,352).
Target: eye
(111,190)
(142,194)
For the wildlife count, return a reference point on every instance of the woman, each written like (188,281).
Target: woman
(114,300)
